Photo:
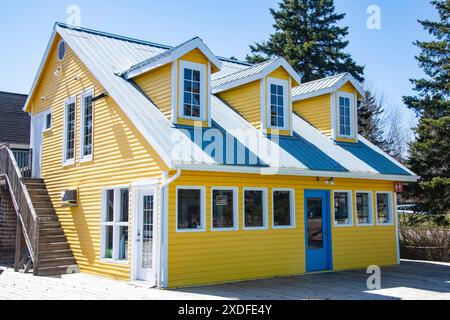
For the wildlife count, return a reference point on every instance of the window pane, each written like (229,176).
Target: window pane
(223,209)
(123,243)
(187,74)
(282,208)
(189,209)
(48,121)
(254,209)
(315,223)
(108,242)
(187,110)
(383,211)
(124,207)
(362,208)
(341,208)
(147,236)
(109,206)
(196,76)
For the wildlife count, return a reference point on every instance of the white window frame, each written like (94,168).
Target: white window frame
(286,100)
(203,91)
(390,207)
(116,224)
(235,226)
(82,124)
(350,96)
(292,208)
(47,113)
(350,208)
(58,48)
(265,209)
(371,213)
(69,162)
(202,209)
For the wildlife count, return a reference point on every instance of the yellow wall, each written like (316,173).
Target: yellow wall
(317,111)
(121,155)
(214,257)
(246,100)
(157,85)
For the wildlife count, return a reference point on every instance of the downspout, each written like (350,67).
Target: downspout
(163,238)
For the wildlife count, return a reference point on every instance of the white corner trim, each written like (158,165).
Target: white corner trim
(397,236)
(175,92)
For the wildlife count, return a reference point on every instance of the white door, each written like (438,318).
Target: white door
(145,236)
(38,128)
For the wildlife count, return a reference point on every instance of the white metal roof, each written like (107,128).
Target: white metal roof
(324,86)
(106,56)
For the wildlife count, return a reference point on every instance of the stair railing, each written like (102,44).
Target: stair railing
(9,170)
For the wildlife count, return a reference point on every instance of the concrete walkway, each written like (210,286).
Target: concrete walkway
(410,280)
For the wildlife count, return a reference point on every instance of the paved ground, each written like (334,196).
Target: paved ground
(411,280)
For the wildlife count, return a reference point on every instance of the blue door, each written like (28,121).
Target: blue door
(318,230)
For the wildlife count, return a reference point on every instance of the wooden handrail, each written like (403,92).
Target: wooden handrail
(21,201)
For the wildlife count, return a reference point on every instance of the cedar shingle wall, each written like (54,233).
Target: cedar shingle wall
(8,220)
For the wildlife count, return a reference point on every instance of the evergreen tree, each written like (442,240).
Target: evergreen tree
(370,120)
(430,153)
(307,35)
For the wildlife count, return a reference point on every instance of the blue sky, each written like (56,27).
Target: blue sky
(227,27)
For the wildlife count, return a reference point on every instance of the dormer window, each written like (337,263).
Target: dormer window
(278,103)
(346,115)
(193,90)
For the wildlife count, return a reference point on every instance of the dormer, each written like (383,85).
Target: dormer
(178,82)
(262,94)
(330,105)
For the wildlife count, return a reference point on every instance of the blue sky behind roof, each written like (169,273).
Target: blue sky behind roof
(227,27)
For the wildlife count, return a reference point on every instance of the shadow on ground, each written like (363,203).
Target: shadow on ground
(410,280)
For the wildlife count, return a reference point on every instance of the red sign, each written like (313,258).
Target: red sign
(398,186)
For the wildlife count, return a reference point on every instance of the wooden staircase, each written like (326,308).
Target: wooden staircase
(38,229)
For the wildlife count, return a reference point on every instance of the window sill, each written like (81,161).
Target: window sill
(86,159)
(344,225)
(283,227)
(390,224)
(255,228)
(115,262)
(69,163)
(224,229)
(191,230)
(365,225)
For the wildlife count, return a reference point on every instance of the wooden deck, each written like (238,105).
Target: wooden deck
(411,280)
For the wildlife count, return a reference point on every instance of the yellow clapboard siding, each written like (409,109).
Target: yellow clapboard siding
(157,85)
(246,100)
(121,155)
(215,257)
(317,111)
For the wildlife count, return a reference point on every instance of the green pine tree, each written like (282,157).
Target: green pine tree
(430,152)
(308,36)
(370,121)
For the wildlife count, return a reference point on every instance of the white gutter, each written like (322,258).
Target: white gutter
(164,230)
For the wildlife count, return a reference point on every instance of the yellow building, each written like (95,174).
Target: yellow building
(192,169)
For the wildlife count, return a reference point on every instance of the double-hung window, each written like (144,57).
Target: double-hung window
(346,115)
(384,208)
(343,212)
(191,214)
(283,206)
(114,225)
(69,131)
(224,208)
(255,208)
(278,103)
(86,128)
(193,90)
(364,208)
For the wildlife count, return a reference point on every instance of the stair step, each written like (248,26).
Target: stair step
(36,186)
(51,232)
(55,254)
(52,246)
(45,211)
(40,198)
(37,204)
(57,271)
(49,224)
(47,218)
(37,192)
(56,262)
(52,239)
(32,180)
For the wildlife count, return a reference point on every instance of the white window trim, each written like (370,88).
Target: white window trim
(390,207)
(69,162)
(115,224)
(265,209)
(235,226)
(352,115)
(292,207)
(203,92)
(371,213)
(350,204)
(90,157)
(202,209)
(286,106)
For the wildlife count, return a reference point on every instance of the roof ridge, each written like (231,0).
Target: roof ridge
(250,67)
(14,93)
(322,79)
